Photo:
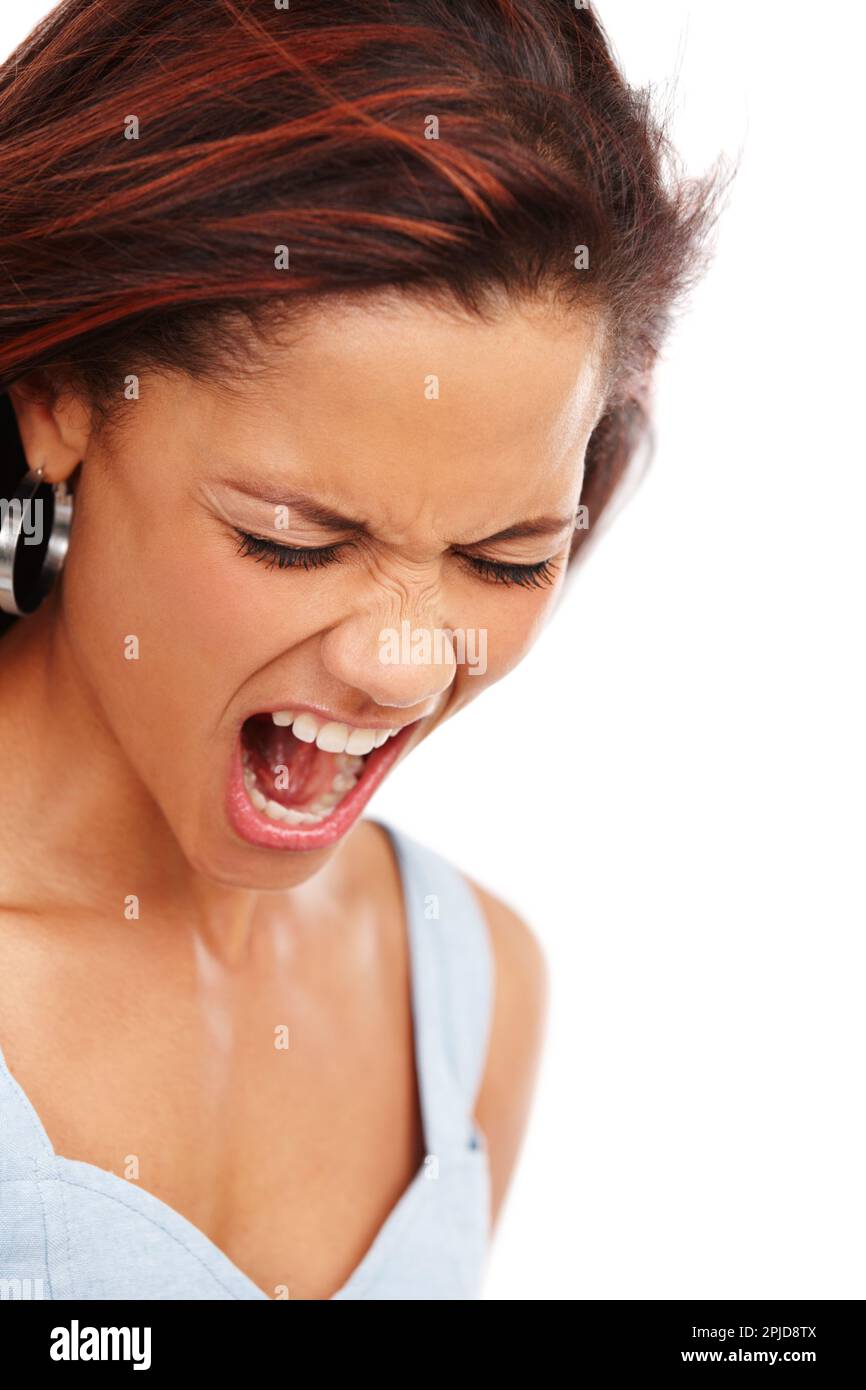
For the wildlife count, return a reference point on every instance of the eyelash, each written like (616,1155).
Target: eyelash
(536,576)
(287,556)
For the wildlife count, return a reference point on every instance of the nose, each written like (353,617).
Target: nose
(403,665)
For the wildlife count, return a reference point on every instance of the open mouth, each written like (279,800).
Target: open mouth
(299,781)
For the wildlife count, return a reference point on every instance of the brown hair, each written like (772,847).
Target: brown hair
(310,127)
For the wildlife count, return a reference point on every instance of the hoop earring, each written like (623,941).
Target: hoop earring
(34,538)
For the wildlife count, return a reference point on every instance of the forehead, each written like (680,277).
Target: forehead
(395,396)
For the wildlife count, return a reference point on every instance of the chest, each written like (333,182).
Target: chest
(282,1120)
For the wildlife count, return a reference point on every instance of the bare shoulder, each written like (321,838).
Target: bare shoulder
(516,1040)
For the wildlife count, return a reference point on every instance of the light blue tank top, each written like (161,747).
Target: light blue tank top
(72,1230)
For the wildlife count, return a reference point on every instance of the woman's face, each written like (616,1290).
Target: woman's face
(431,469)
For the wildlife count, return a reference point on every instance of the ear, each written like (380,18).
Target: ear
(54,424)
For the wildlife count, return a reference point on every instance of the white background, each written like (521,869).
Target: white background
(670,789)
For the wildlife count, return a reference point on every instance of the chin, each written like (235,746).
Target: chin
(230,865)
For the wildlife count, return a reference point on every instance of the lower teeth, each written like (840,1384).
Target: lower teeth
(348,772)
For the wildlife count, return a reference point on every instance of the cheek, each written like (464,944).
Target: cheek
(164,628)
(521,615)
(204,616)
(508,625)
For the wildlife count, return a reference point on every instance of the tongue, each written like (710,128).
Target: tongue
(288,771)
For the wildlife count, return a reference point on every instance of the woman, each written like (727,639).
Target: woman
(326,340)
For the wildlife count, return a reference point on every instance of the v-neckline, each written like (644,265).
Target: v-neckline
(192,1235)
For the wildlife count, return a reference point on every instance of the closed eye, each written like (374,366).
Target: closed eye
(271,553)
(288,556)
(536,576)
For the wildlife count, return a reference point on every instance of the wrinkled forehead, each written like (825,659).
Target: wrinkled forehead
(419,413)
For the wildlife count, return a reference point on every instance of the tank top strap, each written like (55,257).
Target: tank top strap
(452,982)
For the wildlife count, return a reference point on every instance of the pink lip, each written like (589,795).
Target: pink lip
(259,830)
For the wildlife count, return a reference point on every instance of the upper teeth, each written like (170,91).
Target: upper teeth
(330,736)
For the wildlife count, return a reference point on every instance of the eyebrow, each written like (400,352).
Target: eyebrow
(320,515)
